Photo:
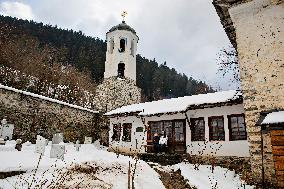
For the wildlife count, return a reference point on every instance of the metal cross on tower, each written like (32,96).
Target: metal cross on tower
(123,14)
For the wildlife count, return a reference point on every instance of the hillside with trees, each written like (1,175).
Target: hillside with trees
(67,65)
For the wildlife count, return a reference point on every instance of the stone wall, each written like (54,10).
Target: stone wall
(259,31)
(115,92)
(32,116)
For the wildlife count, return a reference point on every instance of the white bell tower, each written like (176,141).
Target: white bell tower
(119,85)
(121,52)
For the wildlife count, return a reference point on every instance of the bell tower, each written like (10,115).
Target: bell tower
(119,85)
(121,52)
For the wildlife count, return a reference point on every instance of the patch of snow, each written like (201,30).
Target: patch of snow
(274,117)
(46,98)
(203,178)
(112,168)
(177,104)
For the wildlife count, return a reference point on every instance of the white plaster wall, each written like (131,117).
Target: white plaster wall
(139,137)
(165,117)
(113,59)
(218,148)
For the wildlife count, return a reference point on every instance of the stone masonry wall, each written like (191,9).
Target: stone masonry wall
(259,26)
(33,116)
(115,92)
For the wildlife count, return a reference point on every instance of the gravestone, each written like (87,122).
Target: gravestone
(57,151)
(2,141)
(88,140)
(6,130)
(77,145)
(97,143)
(40,144)
(57,138)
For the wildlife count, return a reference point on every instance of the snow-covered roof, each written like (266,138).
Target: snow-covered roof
(177,104)
(46,98)
(274,118)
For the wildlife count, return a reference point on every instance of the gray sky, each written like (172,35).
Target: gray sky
(187,34)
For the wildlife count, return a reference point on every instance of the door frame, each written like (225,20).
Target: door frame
(174,143)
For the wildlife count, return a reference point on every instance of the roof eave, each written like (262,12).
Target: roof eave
(222,8)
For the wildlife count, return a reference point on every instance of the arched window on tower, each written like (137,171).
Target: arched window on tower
(120,70)
(122,45)
(111,47)
(132,48)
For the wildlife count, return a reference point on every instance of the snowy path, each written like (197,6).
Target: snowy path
(203,178)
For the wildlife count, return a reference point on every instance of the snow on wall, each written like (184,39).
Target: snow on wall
(46,98)
(274,117)
(177,104)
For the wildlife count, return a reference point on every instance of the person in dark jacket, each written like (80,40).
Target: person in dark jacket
(156,144)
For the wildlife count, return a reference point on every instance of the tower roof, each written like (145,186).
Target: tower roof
(122,26)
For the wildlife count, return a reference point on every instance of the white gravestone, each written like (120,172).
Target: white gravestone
(2,141)
(97,143)
(57,138)
(77,145)
(88,140)
(40,144)
(57,151)
(6,130)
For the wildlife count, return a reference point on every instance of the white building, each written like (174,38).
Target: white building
(206,124)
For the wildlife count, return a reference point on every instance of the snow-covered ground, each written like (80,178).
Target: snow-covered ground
(111,170)
(203,178)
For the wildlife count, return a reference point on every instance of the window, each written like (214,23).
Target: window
(179,132)
(237,127)
(216,128)
(116,132)
(160,127)
(126,132)
(122,45)
(120,70)
(197,129)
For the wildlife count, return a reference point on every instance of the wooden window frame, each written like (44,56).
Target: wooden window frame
(124,134)
(149,140)
(230,126)
(210,127)
(119,132)
(192,125)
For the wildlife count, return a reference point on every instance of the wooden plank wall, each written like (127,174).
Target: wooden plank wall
(277,142)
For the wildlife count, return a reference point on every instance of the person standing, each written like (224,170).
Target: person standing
(163,142)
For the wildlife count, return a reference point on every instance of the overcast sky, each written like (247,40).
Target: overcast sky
(187,34)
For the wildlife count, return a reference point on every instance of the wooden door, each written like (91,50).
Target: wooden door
(179,136)
(277,142)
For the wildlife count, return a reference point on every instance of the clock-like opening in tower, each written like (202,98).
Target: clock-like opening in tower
(122,45)
(120,70)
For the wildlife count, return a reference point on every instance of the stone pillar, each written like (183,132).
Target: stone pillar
(259,27)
